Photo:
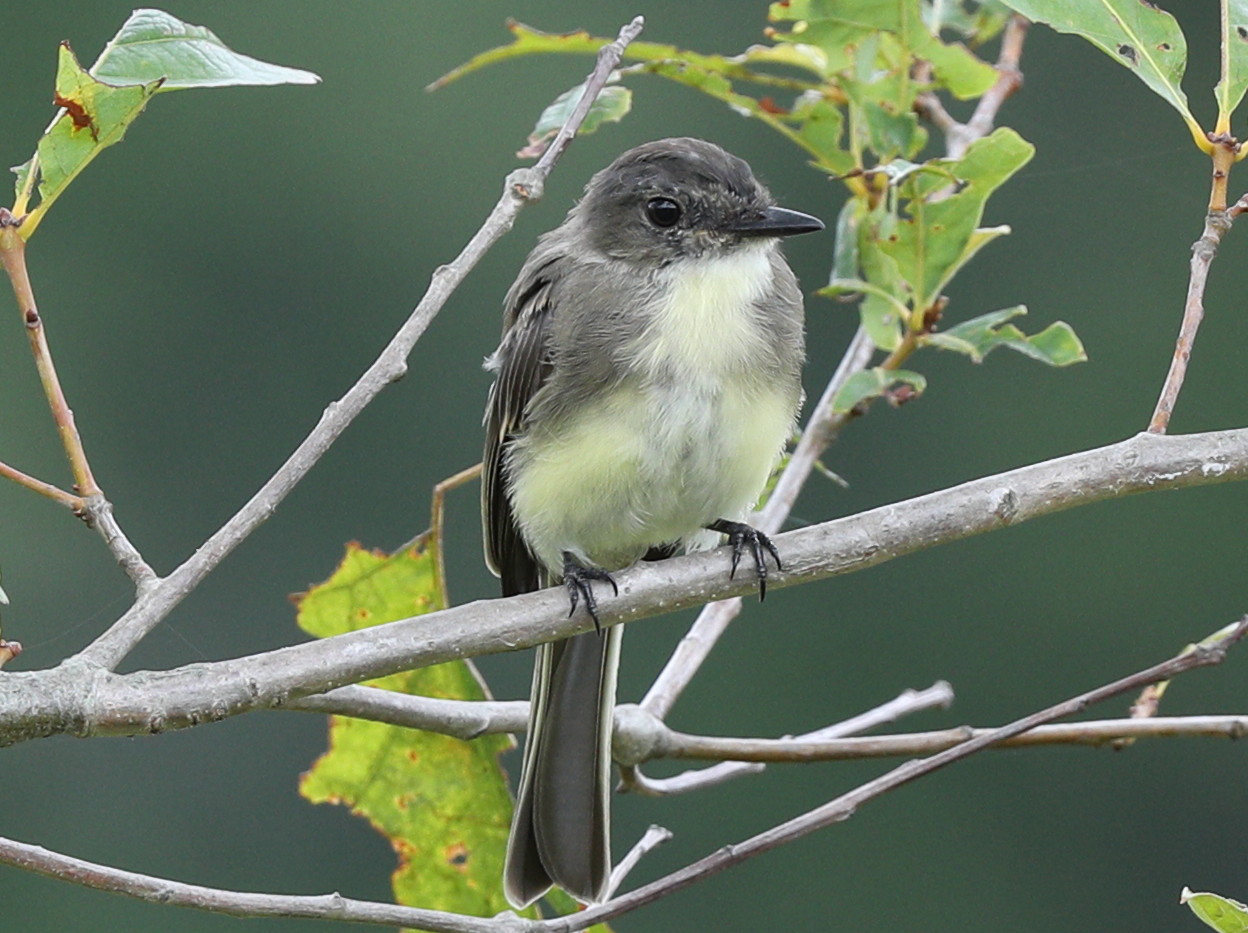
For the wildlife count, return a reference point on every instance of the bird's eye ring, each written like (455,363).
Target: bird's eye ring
(663,212)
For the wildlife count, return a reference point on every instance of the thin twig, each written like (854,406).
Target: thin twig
(336,907)
(99,514)
(244,903)
(940,694)
(958,136)
(463,719)
(846,805)
(13,257)
(1102,732)
(521,186)
(1217,225)
(55,493)
(82,700)
(654,837)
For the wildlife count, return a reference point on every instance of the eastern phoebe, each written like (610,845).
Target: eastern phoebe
(648,377)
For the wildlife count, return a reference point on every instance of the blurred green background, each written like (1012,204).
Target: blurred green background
(212,283)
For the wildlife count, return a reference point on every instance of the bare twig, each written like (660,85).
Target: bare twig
(463,719)
(55,493)
(939,694)
(99,514)
(674,744)
(9,650)
(336,907)
(245,903)
(13,257)
(521,186)
(653,837)
(846,805)
(958,136)
(83,700)
(1217,225)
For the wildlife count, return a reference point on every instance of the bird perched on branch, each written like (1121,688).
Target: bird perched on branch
(646,382)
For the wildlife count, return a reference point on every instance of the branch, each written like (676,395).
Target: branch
(463,719)
(673,744)
(910,701)
(846,805)
(82,700)
(55,493)
(522,185)
(245,903)
(13,258)
(1217,225)
(958,136)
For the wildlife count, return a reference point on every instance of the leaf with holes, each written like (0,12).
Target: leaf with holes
(1136,34)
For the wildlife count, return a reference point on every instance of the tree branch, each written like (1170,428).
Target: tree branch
(80,699)
(245,903)
(653,731)
(843,807)
(522,185)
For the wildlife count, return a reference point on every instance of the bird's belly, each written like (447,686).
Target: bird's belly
(645,465)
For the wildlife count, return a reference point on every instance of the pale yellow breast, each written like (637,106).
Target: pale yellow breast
(709,322)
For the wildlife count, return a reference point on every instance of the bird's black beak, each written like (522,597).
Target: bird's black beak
(777,221)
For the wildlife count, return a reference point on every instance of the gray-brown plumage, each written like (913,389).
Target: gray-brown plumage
(647,379)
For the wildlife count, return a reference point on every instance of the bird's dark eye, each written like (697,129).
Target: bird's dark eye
(663,212)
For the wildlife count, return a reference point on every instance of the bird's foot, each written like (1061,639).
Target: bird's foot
(741,535)
(579,581)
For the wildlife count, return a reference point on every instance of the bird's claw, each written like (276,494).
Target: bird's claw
(578,579)
(741,535)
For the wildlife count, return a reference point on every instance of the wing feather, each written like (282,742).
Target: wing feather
(522,363)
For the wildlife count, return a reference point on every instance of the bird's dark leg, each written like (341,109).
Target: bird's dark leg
(740,535)
(579,581)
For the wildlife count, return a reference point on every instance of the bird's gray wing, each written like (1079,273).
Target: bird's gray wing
(522,363)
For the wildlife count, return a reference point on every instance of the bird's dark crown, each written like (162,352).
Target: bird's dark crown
(624,211)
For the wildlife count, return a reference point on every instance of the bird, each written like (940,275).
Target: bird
(647,380)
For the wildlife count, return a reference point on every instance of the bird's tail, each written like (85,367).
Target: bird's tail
(560,833)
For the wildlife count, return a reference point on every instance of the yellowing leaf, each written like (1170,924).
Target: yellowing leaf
(443,803)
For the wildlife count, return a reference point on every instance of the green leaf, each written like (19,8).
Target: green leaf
(530,41)
(1234,81)
(1056,345)
(1133,33)
(839,27)
(883,315)
(1221,913)
(152,45)
(152,52)
(94,116)
(873,383)
(441,802)
(845,247)
(611,106)
(940,236)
